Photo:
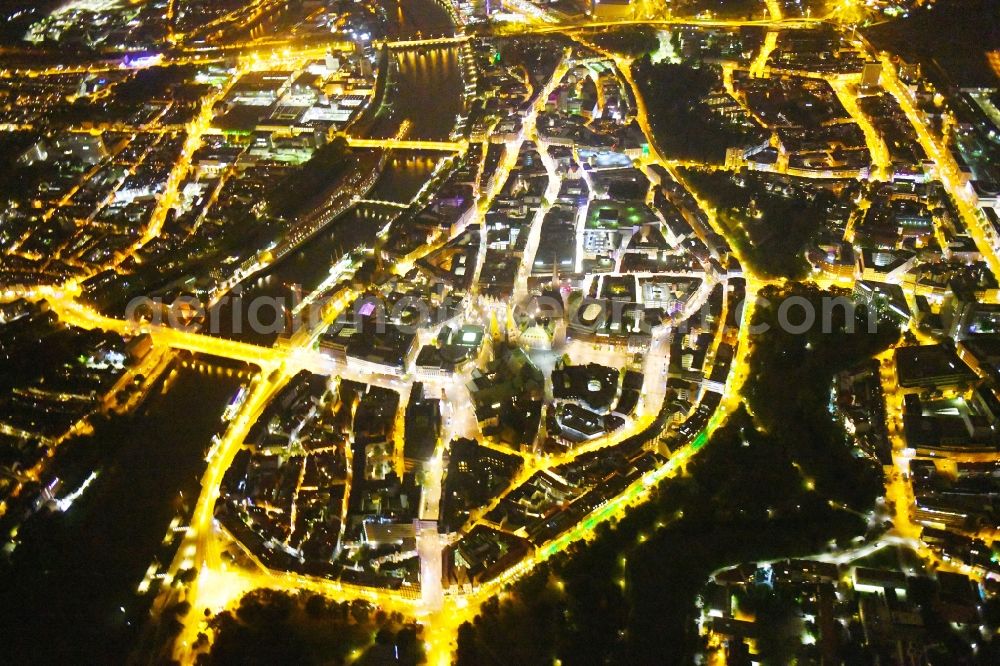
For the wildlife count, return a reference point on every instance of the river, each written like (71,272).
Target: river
(306,268)
(411,19)
(70,597)
(427,90)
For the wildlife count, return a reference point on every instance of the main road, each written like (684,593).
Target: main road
(200,548)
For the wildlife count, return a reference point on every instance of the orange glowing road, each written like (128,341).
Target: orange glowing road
(947,168)
(219,583)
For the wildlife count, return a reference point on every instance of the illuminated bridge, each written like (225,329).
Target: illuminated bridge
(409,144)
(75,314)
(429,41)
(382,202)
